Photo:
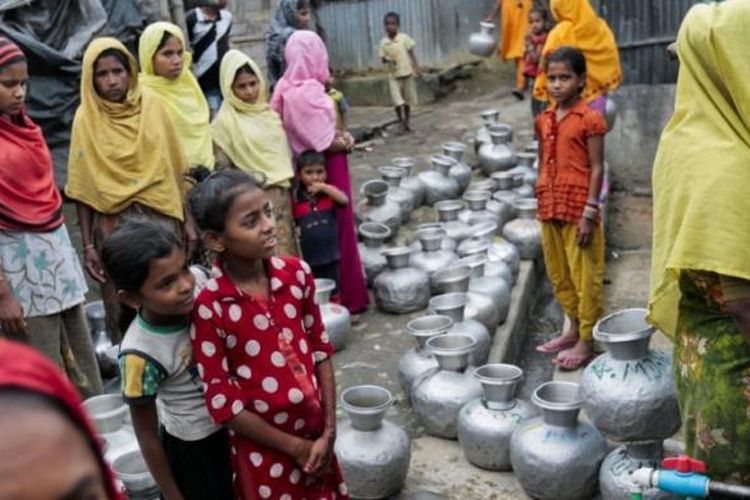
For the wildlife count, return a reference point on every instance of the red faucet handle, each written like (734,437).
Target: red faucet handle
(683,464)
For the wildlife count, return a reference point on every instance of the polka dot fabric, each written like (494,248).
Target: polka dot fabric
(260,356)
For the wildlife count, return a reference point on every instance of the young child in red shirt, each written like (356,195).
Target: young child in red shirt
(571,150)
(539,24)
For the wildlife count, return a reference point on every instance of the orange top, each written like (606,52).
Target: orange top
(514,23)
(563,185)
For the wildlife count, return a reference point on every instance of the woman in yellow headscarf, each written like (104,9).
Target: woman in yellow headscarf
(165,69)
(248,135)
(700,274)
(578,26)
(124,157)
(514,25)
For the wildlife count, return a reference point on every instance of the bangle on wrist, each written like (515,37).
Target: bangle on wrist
(590,213)
(89,246)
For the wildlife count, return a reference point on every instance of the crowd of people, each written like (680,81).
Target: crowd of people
(178,163)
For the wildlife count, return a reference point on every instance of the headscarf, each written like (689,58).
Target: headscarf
(283,25)
(578,26)
(701,174)
(514,24)
(251,134)
(21,367)
(30,199)
(123,153)
(182,96)
(300,97)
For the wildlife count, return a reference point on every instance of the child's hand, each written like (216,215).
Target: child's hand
(585,230)
(349,141)
(302,451)
(320,455)
(316,187)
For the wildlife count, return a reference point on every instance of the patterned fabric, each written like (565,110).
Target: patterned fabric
(533,55)
(209,39)
(43,271)
(712,372)
(259,356)
(563,184)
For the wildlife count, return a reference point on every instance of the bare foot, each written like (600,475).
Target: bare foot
(559,343)
(576,357)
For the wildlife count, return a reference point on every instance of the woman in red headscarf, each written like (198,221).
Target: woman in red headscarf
(42,286)
(48,448)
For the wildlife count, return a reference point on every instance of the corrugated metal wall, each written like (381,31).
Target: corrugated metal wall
(441,29)
(643,29)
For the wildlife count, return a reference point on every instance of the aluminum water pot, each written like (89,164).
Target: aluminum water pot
(556,457)
(475,254)
(628,392)
(486,424)
(438,398)
(96,319)
(403,197)
(377,207)
(371,249)
(399,288)
(610,112)
(439,185)
(615,473)
(336,319)
(496,288)
(110,416)
(482,185)
(410,182)
(499,248)
(482,136)
(483,43)
(455,279)
(476,210)
(500,154)
(448,211)
(460,170)
(374,454)
(418,360)
(528,166)
(446,243)
(432,257)
(453,305)
(520,187)
(131,469)
(525,232)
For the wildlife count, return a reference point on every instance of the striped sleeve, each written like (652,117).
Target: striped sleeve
(141,377)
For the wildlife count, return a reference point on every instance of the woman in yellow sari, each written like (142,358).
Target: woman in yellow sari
(165,69)
(578,26)
(124,158)
(248,135)
(700,274)
(514,25)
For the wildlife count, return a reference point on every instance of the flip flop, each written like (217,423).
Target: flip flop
(572,362)
(556,345)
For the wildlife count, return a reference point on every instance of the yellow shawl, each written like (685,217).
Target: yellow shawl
(702,168)
(182,96)
(514,24)
(117,155)
(578,26)
(251,134)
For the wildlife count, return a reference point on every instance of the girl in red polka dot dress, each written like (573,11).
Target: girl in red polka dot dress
(261,350)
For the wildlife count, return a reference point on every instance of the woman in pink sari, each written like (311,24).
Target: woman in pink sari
(309,118)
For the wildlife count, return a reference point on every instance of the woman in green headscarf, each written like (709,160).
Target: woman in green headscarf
(700,276)
(248,135)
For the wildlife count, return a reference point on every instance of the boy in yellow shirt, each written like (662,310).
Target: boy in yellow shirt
(397,51)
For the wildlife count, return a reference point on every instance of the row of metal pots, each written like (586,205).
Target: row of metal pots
(627,394)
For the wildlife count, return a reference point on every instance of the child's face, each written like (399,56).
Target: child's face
(303,18)
(13,88)
(391,26)
(246,87)
(312,174)
(250,227)
(168,59)
(536,22)
(562,82)
(168,289)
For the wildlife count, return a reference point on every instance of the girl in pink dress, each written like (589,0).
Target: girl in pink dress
(309,118)
(261,350)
